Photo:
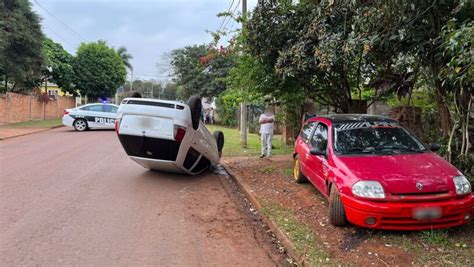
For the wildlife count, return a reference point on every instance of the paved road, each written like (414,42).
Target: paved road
(75,198)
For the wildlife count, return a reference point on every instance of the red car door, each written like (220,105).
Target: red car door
(316,165)
(303,145)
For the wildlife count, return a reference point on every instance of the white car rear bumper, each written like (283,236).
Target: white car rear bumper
(68,120)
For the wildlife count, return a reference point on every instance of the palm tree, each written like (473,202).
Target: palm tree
(126,57)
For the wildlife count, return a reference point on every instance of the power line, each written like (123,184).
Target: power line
(231,18)
(67,26)
(59,36)
(225,18)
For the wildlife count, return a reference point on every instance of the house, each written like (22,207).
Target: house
(53,90)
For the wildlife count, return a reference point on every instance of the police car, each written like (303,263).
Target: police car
(98,115)
(168,135)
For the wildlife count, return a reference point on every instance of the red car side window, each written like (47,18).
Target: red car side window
(320,137)
(306,131)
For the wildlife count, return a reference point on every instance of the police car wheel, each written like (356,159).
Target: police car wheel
(80,125)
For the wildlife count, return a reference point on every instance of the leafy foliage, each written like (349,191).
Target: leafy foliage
(335,52)
(125,56)
(99,69)
(59,62)
(199,70)
(21,57)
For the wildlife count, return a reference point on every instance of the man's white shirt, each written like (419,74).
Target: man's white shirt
(266,128)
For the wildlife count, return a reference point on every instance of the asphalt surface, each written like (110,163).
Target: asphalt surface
(69,198)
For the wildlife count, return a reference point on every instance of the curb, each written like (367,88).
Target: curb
(39,131)
(284,240)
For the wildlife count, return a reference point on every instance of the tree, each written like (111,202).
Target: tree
(99,69)
(150,88)
(200,70)
(458,44)
(21,39)
(169,91)
(59,62)
(125,56)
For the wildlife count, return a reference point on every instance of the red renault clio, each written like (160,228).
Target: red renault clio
(377,174)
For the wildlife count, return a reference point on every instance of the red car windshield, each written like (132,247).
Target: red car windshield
(374,138)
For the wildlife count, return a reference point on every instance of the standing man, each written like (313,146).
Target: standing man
(211,115)
(266,120)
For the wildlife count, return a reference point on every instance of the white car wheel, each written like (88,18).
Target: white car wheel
(195,106)
(80,125)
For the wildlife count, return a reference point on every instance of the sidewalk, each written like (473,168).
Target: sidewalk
(9,132)
(300,214)
(30,127)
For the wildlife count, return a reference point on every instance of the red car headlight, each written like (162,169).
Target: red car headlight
(463,186)
(368,189)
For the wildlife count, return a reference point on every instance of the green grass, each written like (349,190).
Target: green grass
(37,124)
(288,171)
(267,170)
(298,232)
(232,146)
(435,237)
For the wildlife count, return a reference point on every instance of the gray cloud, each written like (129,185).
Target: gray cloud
(147,28)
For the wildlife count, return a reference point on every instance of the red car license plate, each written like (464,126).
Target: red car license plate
(427,214)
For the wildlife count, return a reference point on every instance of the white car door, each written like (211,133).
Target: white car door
(91,113)
(109,114)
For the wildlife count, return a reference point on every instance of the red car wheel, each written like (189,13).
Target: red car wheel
(337,215)
(297,175)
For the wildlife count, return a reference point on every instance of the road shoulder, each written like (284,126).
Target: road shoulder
(7,132)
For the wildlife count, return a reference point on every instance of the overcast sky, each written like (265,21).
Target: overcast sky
(148,28)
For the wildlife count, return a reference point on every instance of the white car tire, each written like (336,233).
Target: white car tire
(80,125)
(195,106)
(219,136)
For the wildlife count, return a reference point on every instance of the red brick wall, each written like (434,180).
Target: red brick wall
(20,108)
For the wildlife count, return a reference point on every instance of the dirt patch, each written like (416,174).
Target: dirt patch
(271,182)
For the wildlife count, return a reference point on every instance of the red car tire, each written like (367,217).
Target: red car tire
(337,215)
(297,175)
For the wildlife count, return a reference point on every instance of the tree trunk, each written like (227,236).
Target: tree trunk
(443,111)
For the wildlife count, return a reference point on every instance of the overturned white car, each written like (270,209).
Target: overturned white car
(167,135)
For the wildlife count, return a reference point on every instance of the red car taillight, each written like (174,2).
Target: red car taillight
(66,112)
(179,133)
(117,125)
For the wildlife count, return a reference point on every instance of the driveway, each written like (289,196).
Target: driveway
(69,198)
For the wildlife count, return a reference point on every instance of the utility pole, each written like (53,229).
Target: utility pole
(243,105)
(131,80)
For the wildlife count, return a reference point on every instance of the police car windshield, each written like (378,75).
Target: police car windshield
(374,138)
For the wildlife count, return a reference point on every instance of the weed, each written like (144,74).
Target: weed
(267,170)
(298,232)
(288,171)
(435,237)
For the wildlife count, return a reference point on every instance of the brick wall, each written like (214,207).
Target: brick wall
(20,108)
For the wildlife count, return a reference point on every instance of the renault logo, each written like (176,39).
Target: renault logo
(419,186)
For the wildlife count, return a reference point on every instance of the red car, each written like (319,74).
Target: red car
(377,174)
